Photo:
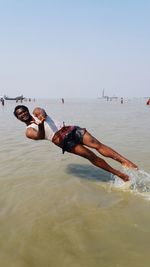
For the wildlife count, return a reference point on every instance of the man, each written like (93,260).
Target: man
(72,139)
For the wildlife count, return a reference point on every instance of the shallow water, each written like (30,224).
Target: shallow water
(59,210)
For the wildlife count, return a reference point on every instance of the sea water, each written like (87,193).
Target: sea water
(59,210)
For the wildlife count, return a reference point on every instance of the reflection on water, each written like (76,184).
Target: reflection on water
(59,210)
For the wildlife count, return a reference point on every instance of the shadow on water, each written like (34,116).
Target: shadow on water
(139,180)
(89,172)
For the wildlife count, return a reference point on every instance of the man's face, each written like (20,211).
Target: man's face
(23,115)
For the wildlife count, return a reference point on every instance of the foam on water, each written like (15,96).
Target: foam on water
(139,182)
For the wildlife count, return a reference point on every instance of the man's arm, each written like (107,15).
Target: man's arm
(34,134)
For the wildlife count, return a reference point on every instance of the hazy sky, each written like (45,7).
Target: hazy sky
(74,48)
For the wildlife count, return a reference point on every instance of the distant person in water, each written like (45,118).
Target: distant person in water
(2,101)
(148,102)
(72,139)
(121,101)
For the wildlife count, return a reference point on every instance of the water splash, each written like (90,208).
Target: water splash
(139,182)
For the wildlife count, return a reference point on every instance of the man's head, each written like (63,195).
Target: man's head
(22,113)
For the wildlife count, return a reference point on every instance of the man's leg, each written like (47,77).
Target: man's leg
(84,152)
(92,142)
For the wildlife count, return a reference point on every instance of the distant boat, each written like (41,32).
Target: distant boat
(21,97)
(107,97)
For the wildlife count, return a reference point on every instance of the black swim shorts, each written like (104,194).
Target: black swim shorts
(74,137)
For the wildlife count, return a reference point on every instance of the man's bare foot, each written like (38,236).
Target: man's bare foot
(129,164)
(123,176)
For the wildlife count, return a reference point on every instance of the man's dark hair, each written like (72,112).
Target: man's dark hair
(18,107)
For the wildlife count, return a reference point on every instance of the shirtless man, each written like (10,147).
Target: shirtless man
(72,139)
